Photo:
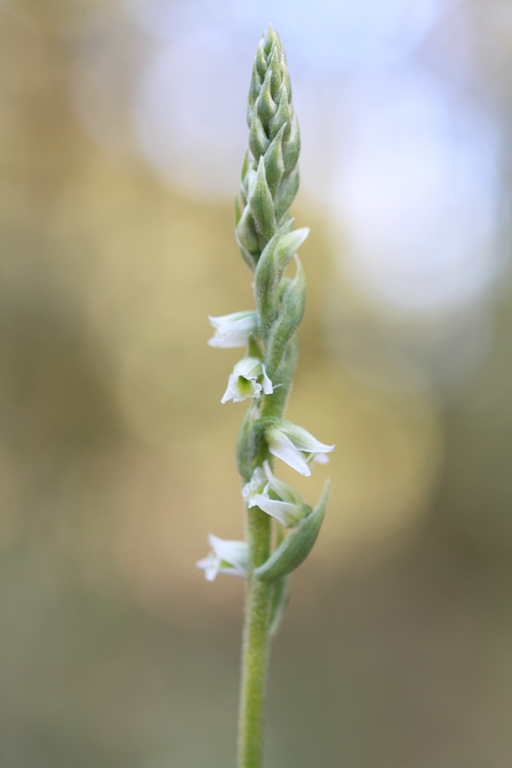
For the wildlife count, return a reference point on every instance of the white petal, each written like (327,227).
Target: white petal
(320,458)
(281,446)
(304,440)
(210,565)
(255,485)
(233,552)
(287,514)
(267,384)
(249,368)
(236,392)
(233,330)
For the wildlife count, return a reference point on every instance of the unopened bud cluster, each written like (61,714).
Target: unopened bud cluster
(268,244)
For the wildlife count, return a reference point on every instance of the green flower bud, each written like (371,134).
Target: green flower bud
(274,162)
(290,315)
(261,204)
(269,271)
(273,137)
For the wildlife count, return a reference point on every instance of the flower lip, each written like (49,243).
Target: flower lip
(243,382)
(233,330)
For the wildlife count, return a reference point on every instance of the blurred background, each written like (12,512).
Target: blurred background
(123,136)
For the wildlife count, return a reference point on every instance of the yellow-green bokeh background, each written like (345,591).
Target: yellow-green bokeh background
(117,460)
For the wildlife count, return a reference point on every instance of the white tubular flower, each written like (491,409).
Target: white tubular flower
(226,557)
(233,330)
(243,382)
(295,445)
(280,500)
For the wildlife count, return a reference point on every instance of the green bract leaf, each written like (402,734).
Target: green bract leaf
(296,546)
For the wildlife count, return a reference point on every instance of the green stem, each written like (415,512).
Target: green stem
(255,645)
(257,606)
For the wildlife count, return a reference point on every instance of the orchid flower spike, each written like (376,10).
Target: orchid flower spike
(233,330)
(268,243)
(279,500)
(226,557)
(244,382)
(295,446)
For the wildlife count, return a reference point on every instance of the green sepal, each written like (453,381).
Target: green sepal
(278,605)
(275,66)
(269,40)
(283,113)
(296,546)
(258,139)
(290,315)
(287,192)
(265,106)
(286,79)
(260,62)
(246,232)
(254,87)
(288,245)
(261,204)
(291,147)
(274,163)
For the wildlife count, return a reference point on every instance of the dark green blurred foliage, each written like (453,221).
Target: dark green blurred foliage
(116,454)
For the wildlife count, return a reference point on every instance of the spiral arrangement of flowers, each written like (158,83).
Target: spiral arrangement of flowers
(281,527)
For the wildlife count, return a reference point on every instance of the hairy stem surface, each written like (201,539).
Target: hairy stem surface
(256,642)
(255,645)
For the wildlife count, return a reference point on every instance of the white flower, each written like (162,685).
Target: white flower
(243,382)
(233,330)
(279,500)
(295,446)
(226,557)
(255,485)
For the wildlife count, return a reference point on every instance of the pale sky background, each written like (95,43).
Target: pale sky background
(399,150)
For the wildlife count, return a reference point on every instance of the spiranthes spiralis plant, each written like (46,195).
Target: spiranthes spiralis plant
(281,527)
